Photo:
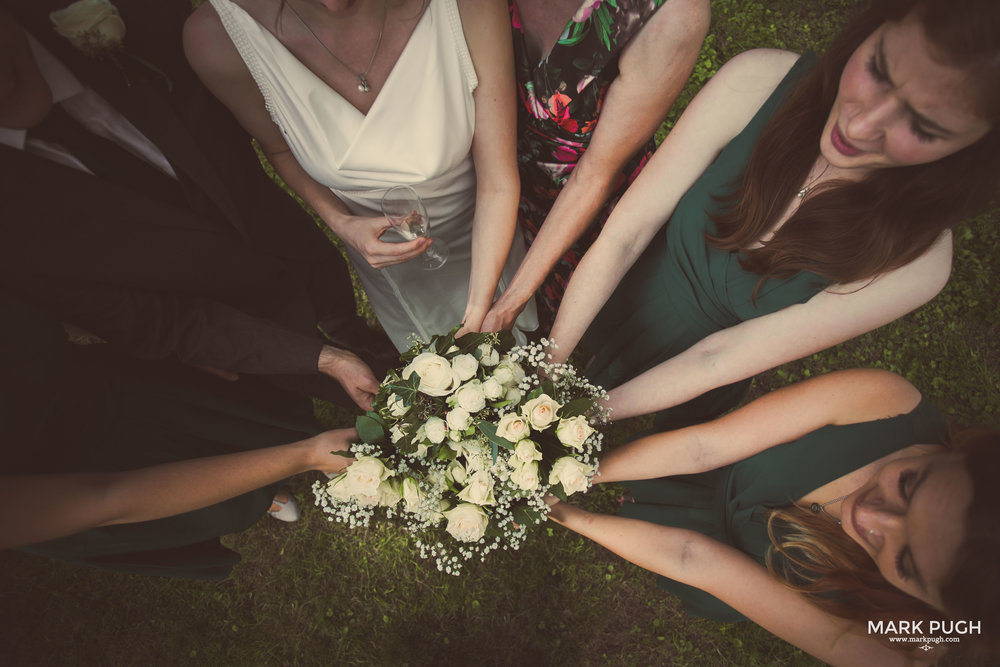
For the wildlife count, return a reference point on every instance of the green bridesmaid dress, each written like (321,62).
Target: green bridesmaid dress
(682,290)
(70,408)
(731,504)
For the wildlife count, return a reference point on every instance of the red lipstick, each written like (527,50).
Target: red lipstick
(841,145)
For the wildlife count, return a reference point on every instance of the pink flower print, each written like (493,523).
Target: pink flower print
(584,82)
(586,9)
(559,105)
(515,18)
(564,154)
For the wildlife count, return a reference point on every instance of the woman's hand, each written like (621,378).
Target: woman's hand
(331,451)
(363,234)
(502,315)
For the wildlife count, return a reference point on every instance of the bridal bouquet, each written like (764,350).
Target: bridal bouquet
(463,443)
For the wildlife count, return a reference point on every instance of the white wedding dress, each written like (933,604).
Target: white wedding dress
(418,132)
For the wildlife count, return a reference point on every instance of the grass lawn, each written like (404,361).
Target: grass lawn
(317,593)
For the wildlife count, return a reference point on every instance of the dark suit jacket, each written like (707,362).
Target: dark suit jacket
(232,274)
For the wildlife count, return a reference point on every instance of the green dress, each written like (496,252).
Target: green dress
(682,290)
(72,408)
(731,503)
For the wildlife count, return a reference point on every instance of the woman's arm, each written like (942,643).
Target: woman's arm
(487,32)
(843,397)
(831,317)
(63,504)
(217,62)
(653,69)
(717,114)
(734,578)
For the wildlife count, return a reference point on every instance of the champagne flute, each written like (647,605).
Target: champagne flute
(402,207)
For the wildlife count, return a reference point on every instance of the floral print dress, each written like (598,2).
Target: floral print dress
(560,104)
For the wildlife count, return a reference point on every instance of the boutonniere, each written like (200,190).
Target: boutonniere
(93,26)
(96,28)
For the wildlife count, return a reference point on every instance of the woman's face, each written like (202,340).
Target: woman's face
(910,518)
(897,106)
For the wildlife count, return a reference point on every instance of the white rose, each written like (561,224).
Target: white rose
(388,493)
(436,375)
(435,429)
(363,477)
(457,472)
(526,476)
(492,389)
(508,372)
(465,366)
(513,427)
(479,489)
(337,490)
(513,395)
(93,26)
(412,495)
(470,397)
(488,356)
(540,411)
(467,522)
(421,451)
(396,406)
(573,475)
(573,432)
(459,419)
(526,451)
(396,434)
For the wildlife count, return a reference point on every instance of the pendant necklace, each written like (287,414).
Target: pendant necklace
(363,77)
(809,186)
(816,508)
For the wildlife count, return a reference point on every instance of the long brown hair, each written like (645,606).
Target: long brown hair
(854,231)
(815,557)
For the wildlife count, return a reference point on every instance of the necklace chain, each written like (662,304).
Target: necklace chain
(362,77)
(809,186)
(816,508)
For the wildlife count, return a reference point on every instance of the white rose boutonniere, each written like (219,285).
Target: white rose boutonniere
(93,26)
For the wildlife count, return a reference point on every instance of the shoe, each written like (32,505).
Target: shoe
(288,509)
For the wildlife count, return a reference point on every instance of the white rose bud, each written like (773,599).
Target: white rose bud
(492,389)
(388,493)
(396,406)
(488,355)
(396,434)
(573,475)
(467,522)
(526,476)
(541,411)
(513,395)
(526,451)
(435,429)
(470,397)
(513,427)
(457,472)
(412,495)
(363,477)
(93,26)
(479,489)
(508,372)
(459,419)
(465,366)
(574,431)
(436,375)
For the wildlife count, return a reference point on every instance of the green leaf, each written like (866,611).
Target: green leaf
(525,516)
(370,428)
(576,407)
(490,431)
(558,491)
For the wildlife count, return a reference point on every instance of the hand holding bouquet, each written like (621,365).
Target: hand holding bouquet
(463,443)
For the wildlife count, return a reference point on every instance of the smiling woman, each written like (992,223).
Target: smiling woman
(889,523)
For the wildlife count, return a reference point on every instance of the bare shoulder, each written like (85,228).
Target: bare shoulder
(208,47)
(483,21)
(755,72)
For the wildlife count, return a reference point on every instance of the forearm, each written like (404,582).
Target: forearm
(68,503)
(493,232)
(327,206)
(663,454)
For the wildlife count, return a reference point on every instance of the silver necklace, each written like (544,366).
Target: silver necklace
(363,77)
(809,186)
(816,508)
